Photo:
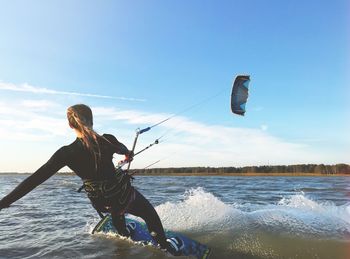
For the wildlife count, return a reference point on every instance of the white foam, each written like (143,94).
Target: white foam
(328,209)
(297,215)
(198,210)
(301,202)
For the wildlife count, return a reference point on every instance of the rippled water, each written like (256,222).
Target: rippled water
(239,217)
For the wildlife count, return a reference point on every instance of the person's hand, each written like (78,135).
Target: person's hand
(129,157)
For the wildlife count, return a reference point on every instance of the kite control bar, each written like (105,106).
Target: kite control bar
(138,133)
(124,162)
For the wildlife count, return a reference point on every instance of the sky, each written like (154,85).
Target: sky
(136,63)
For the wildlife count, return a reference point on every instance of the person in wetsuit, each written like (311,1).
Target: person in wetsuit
(109,190)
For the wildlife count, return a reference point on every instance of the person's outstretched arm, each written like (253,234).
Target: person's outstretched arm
(55,163)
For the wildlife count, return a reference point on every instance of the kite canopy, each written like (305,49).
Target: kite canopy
(239,94)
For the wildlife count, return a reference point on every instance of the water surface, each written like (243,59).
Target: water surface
(239,217)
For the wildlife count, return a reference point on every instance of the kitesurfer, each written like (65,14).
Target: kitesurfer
(109,190)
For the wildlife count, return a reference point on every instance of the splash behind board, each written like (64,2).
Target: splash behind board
(187,246)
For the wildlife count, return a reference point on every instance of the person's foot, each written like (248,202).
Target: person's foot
(175,245)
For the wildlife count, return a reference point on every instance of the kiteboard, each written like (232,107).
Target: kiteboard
(185,246)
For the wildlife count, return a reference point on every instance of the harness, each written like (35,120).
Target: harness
(115,190)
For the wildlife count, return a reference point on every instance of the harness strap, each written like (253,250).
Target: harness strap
(116,190)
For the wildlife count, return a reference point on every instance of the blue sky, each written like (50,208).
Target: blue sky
(164,56)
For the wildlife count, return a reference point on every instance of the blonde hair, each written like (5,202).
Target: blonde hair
(80,118)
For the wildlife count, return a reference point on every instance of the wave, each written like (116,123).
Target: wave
(199,210)
(295,227)
(295,216)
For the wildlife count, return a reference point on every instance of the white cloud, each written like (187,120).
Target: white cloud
(39,90)
(38,104)
(31,120)
(215,145)
(187,142)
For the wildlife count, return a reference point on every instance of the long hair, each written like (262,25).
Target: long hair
(80,118)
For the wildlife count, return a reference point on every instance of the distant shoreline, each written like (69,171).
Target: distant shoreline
(210,174)
(277,170)
(239,174)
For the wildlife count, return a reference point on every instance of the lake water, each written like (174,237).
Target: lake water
(237,216)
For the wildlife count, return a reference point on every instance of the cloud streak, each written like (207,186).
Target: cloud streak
(32,119)
(35,123)
(39,90)
(199,144)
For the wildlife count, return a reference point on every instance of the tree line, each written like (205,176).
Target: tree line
(270,169)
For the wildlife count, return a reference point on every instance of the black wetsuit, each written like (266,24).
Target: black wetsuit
(79,159)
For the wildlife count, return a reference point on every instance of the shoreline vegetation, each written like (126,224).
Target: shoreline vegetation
(270,170)
(275,170)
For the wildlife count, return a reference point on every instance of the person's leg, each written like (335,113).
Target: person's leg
(142,208)
(119,223)
(118,209)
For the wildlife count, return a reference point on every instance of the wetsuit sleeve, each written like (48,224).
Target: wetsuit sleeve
(119,148)
(55,163)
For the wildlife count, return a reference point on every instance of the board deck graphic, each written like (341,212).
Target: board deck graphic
(186,246)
